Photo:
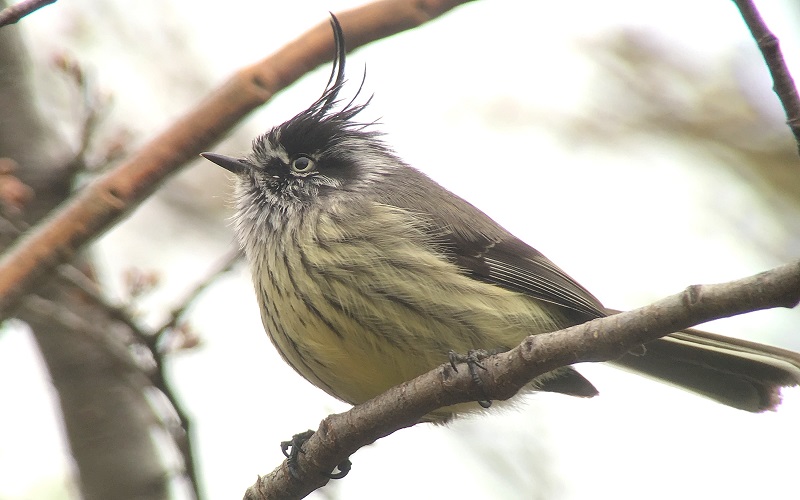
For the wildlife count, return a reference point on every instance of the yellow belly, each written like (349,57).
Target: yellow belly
(355,313)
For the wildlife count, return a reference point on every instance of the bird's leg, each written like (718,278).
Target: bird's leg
(296,445)
(473,360)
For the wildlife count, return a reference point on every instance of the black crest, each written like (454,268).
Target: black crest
(320,126)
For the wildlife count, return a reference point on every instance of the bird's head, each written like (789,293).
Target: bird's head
(319,152)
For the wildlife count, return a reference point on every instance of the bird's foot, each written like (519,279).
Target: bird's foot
(473,360)
(294,447)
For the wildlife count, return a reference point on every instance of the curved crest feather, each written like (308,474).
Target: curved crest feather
(320,110)
(320,126)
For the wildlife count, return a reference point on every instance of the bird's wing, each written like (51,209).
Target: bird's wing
(486,251)
(512,264)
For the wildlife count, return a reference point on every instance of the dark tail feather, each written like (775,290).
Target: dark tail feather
(734,372)
(565,381)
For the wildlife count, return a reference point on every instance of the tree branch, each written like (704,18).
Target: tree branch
(605,339)
(14,13)
(153,341)
(222,266)
(105,201)
(783,84)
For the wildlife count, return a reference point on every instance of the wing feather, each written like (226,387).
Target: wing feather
(486,251)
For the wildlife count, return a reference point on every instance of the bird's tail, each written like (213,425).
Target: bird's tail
(734,372)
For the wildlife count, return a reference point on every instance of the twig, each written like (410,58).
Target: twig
(106,200)
(222,266)
(181,433)
(340,435)
(78,279)
(76,323)
(94,107)
(14,13)
(183,439)
(783,84)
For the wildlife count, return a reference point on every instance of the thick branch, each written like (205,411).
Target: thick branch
(105,201)
(783,84)
(340,435)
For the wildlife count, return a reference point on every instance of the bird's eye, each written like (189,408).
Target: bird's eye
(302,164)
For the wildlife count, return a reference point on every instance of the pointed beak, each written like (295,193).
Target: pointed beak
(229,163)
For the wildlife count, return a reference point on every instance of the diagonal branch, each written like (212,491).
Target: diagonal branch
(105,201)
(14,13)
(783,84)
(341,435)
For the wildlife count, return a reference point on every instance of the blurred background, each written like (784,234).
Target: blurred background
(636,144)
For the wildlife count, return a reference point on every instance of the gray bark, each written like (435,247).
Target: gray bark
(102,393)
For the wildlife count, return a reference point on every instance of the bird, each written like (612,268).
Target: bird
(368,273)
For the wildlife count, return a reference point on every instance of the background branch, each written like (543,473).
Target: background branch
(100,390)
(222,266)
(151,340)
(14,13)
(770,48)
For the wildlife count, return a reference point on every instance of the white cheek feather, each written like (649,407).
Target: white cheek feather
(324,180)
